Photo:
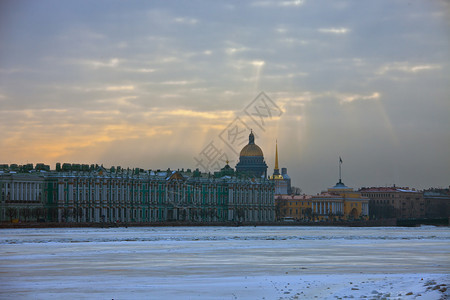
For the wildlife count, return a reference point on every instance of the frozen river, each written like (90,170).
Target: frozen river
(225,263)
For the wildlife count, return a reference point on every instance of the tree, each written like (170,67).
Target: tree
(296,190)
(77,213)
(25,213)
(66,214)
(308,212)
(11,212)
(240,214)
(280,205)
(38,213)
(330,216)
(53,214)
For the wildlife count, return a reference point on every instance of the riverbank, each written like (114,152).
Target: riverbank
(369,223)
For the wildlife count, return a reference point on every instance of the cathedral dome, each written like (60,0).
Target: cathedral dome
(251,159)
(251,150)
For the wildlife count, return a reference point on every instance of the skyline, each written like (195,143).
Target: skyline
(150,85)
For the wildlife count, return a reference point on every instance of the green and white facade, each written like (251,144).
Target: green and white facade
(107,196)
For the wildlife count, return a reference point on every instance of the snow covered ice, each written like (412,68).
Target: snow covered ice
(225,263)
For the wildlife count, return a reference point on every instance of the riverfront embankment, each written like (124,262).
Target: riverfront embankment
(367,223)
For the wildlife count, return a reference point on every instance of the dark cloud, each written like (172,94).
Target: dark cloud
(132,81)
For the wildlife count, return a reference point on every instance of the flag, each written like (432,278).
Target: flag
(340,160)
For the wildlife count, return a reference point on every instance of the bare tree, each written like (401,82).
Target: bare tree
(38,213)
(296,190)
(308,212)
(11,212)
(280,205)
(25,213)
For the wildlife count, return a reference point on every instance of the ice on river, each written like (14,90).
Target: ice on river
(225,263)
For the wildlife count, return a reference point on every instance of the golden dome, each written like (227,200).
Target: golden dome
(251,150)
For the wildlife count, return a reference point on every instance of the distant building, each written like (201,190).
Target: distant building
(437,203)
(251,160)
(287,178)
(337,203)
(282,181)
(111,195)
(297,207)
(340,202)
(394,202)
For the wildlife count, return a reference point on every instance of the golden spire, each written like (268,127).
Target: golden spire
(276,172)
(276,155)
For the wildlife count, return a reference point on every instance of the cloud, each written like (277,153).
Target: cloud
(119,88)
(138,70)
(243,64)
(120,101)
(234,50)
(258,63)
(356,97)
(341,30)
(111,63)
(189,21)
(16,70)
(183,70)
(179,82)
(198,114)
(293,3)
(406,67)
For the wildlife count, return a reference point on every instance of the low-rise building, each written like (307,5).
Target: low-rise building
(437,203)
(337,203)
(297,207)
(394,202)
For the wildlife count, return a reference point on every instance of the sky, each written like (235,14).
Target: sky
(180,84)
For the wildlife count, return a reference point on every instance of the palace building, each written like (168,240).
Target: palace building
(117,195)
